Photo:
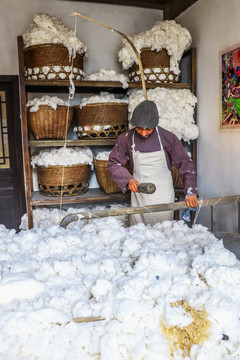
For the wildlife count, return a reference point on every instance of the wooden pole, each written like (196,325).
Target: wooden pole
(88,319)
(150,208)
(25,147)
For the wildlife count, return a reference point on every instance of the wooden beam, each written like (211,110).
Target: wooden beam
(151,4)
(178,6)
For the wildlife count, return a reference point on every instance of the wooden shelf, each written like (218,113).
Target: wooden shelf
(52,143)
(35,199)
(93,86)
(91,196)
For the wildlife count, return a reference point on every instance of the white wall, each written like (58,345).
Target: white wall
(214,25)
(16,15)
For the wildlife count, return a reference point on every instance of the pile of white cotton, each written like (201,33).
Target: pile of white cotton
(104,97)
(164,34)
(175,108)
(108,75)
(127,276)
(47,29)
(103,155)
(52,101)
(65,156)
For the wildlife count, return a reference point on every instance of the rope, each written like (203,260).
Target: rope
(70,96)
(218,201)
(172,207)
(197,212)
(147,209)
(237,200)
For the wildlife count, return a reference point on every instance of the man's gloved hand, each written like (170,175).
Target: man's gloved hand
(191,201)
(133,185)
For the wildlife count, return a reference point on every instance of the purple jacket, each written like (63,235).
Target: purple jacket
(174,151)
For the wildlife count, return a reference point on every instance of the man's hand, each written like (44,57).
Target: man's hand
(191,201)
(133,185)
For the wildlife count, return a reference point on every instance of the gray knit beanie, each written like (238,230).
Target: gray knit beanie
(145,115)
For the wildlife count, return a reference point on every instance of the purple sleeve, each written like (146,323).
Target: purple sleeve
(185,166)
(117,159)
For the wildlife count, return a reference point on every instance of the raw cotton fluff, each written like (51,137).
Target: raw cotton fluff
(164,34)
(104,155)
(52,101)
(47,29)
(63,156)
(108,75)
(175,108)
(104,97)
(127,276)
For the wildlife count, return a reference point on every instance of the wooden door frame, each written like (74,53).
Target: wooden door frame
(15,147)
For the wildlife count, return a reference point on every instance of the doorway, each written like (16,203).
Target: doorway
(12,199)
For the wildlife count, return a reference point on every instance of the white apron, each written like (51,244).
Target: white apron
(152,167)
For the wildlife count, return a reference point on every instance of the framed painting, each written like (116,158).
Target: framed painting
(230,88)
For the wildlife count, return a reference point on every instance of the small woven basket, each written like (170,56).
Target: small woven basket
(104,178)
(51,62)
(156,67)
(101,120)
(177,182)
(75,179)
(47,123)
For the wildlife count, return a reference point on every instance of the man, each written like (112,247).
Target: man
(151,150)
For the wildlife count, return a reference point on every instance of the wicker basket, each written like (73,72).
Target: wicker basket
(75,180)
(51,62)
(101,120)
(47,123)
(177,182)
(104,178)
(156,67)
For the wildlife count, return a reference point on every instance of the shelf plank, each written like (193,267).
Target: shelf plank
(94,86)
(93,142)
(91,196)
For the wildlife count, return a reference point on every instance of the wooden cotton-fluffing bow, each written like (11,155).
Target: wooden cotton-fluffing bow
(128,40)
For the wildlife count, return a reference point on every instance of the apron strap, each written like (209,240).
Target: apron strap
(133,142)
(160,142)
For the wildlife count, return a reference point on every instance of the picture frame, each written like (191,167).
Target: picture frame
(230,88)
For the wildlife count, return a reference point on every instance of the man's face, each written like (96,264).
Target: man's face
(144,133)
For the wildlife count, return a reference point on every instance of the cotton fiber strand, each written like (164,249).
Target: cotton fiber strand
(47,29)
(63,156)
(52,101)
(129,276)
(164,34)
(175,109)
(108,75)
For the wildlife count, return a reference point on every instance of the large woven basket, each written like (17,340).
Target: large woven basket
(47,123)
(177,182)
(75,179)
(156,67)
(101,120)
(51,62)
(104,178)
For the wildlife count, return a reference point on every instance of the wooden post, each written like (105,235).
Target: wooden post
(238,218)
(166,12)
(213,219)
(25,146)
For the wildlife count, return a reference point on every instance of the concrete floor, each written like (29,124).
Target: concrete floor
(231,242)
